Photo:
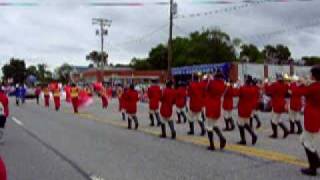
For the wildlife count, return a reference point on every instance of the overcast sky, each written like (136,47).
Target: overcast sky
(62,31)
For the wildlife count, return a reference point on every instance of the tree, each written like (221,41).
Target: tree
(32,70)
(284,54)
(251,51)
(310,61)
(98,58)
(63,73)
(140,64)
(16,69)
(279,54)
(208,46)
(158,57)
(44,75)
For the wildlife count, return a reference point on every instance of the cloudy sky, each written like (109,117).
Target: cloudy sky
(58,31)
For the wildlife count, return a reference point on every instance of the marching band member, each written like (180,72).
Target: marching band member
(167,103)
(245,109)
(215,91)
(67,89)
(132,98)
(181,100)
(154,95)
(255,102)
(277,91)
(228,107)
(104,98)
(74,94)
(56,98)
(46,94)
(4,112)
(296,92)
(312,122)
(122,92)
(196,92)
(37,93)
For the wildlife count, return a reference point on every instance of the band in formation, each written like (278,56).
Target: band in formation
(203,101)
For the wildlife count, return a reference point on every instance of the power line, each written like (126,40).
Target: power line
(145,36)
(289,29)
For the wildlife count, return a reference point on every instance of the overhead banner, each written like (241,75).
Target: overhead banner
(203,68)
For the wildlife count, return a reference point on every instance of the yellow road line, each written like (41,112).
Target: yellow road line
(245,150)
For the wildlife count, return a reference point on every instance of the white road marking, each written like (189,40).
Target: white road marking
(93,177)
(17,121)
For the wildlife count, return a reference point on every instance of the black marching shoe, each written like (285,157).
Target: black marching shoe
(253,135)
(251,122)
(274,131)
(242,136)
(184,116)
(123,116)
(151,119)
(291,127)
(129,123)
(256,117)
(163,131)
(285,130)
(191,125)
(300,130)
(227,128)
(314,162)
(232,126)
(179,118)
(203,130)
(158,119)
(173,131)
(211,144)
(222,139)
(136,122)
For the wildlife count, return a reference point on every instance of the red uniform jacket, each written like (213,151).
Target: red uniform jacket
(196,92)
(122,100)
(154,95)
(181,97)
(131,101)
(228,99)
(256,97)
(104,98)
(38,91)
(278,92)
(4,106)
(3,171)
(167,102)
(312,109)
(214,93)
(246,100)
(296,97)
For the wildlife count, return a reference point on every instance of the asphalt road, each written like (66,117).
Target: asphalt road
(44,144)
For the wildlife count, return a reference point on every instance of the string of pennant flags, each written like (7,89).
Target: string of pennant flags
(140,4)
(268,35)
(253,38)
(244,4)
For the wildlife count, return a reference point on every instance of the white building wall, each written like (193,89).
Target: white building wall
(257,70)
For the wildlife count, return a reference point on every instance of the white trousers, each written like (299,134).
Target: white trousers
(211,123)
(227,114)
(194,116)
(307,140)
(165,120)
(276,118)
(243,121)
(294,116)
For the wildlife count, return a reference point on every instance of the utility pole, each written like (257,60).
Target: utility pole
(103,23)
(173,11)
